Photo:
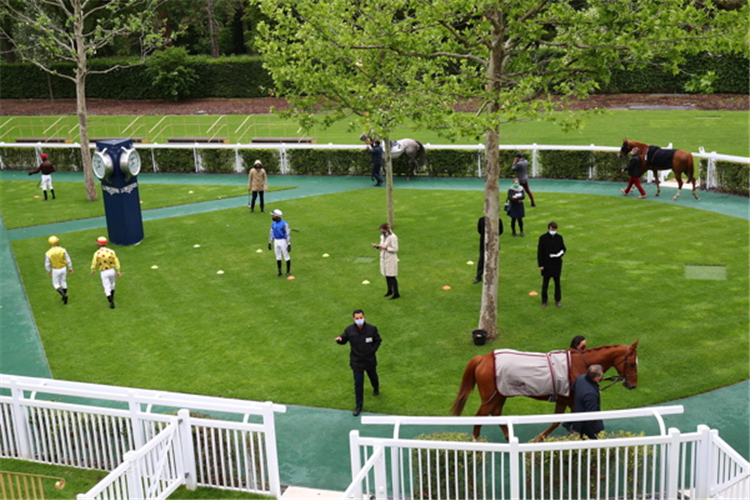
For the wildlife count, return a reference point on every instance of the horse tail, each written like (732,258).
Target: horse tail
(467,385)
(690,169)
(421,153)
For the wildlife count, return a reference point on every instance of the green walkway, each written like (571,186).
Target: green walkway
(320,459)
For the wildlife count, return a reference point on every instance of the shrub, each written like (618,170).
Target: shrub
(268,157)
(732,178)
(175,160)
(608,167)
(170,73)
(456,468)
(218,160)
(565,164)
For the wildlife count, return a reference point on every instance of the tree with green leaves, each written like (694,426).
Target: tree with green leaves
(45,31)
(515,59)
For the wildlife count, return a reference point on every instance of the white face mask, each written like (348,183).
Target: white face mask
(359,322)
(552,232)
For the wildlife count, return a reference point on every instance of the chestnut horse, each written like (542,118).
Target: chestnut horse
(481,372)
(682,162)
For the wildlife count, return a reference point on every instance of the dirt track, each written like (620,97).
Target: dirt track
(37,107)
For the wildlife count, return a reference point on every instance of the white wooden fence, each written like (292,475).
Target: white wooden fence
(150,454)
(670,465)
(239,165)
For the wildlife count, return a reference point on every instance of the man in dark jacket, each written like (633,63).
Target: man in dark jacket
(46,168)
(364,340)
(549,254)
(376,150)
(587,398)
(520,168)
(480,230)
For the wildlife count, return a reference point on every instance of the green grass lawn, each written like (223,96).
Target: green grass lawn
(22,203)
(82,480)
(248,334)
(721,131)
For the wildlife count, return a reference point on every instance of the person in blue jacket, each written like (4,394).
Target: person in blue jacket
(587,399)
(280,240)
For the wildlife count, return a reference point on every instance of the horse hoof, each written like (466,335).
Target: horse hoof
(674,198)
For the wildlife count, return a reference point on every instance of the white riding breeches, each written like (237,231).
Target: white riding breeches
(108,281)
(279,247)
(46,182)
(59,278)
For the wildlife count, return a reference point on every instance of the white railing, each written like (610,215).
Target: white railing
(668,465)
(96,426)
(154,471)
(283,148)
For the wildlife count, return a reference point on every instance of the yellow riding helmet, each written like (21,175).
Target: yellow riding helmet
(53,240)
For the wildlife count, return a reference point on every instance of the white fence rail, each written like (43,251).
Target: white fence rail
(99,427)
(239,165)
(670,465)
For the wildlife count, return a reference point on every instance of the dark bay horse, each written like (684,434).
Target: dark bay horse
(481,372)
(680,162)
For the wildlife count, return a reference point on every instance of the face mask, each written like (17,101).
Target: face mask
(383,233)
(258,167)
(515,185)
(359,322)
(552,232)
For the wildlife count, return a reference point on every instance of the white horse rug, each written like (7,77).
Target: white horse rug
(532,373)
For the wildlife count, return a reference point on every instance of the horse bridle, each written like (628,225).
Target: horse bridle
(617,379)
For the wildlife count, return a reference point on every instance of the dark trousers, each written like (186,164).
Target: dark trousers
(513,225)
(545,286)
(392,283)
(376,174)
(528,191)
(480,263)
(252,201)
(359,383)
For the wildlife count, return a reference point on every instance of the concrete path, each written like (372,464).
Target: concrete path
(313,442)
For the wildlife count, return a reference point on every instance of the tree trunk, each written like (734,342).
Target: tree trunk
(212,29)
(81,72)
(488,312)
(389,181)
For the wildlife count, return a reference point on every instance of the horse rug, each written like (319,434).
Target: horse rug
(532,373)
(660,158)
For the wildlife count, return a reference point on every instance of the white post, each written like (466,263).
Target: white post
(135,420)
(381,479)
(21,419)
(514,459)
(534,161)
(133,475)
(673,463)
(479,162)
(187,449)
(272,453)
(355,462)
(704,464)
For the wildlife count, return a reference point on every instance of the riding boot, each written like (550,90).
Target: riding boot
(288,268)
(65,295)
(278,266)
(111,299)
(53,193)
(62,294)
(45,195)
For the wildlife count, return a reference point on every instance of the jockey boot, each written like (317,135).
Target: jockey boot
(53,193)
(111,301)
(62,294)
(65,295)
(278,266)
(45,195)
(288,268)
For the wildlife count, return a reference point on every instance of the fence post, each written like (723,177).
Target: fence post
(135,420)
(187,449)
(272,453)
(20,420)
(355,462)
(673,463)
(135,490)
(515,476)
(381,480)
(704,467)
(534,160)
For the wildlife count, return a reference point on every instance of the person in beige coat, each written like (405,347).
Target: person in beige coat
(389,259)
(257,182)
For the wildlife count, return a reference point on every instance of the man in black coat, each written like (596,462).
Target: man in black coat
(587,398)
(364,340)
(549,254)
(480,230)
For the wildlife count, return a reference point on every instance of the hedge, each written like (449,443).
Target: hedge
(245,77)
(731,178)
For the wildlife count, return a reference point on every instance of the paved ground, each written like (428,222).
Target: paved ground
(320,459)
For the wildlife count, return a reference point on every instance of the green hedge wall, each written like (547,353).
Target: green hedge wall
(245,77)
(732,178)
(241,77)
(65,160)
